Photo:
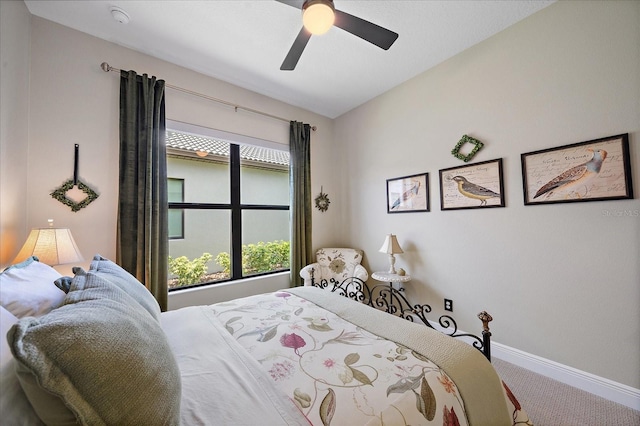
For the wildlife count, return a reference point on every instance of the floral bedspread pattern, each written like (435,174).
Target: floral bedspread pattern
(321,362)
(338,373)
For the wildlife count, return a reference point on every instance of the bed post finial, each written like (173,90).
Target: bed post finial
(486,334)
(485,318)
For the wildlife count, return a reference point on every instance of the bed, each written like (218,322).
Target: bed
(102,353)
(392,301)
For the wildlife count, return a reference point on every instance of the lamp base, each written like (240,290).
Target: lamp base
(392,262)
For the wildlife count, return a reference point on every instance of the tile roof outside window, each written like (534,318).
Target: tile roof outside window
(194,143)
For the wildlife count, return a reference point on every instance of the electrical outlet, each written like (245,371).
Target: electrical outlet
(448,305)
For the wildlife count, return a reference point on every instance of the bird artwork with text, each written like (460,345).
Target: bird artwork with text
(574,179)
(477,192)
(406,196)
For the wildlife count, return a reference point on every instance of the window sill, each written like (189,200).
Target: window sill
(215,293)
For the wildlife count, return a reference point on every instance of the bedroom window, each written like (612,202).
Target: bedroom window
(228,207)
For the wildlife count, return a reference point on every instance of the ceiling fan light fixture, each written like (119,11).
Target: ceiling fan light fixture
(318,16)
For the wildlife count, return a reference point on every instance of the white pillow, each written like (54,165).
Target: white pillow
(27,288)
(13,401)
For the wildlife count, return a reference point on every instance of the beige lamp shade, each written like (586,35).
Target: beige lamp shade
(391,247)
(53,246)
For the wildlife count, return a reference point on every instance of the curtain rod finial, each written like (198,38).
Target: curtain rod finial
(105,67)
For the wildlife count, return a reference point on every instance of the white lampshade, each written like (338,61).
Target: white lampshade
(318,16)
(390,245)
(53,246)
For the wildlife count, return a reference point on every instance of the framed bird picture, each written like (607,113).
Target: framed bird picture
(478,185)
(408,194)
(595,170)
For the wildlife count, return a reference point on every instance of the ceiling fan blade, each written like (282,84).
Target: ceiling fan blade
(296,50)
(366,30)
(295,3)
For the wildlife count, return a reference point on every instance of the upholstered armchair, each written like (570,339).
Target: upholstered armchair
(336,263)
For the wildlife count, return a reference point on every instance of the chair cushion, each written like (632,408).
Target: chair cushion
(338,263)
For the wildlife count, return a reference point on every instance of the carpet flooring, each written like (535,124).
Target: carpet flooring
(552,403)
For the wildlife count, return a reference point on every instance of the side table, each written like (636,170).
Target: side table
(390,278)
(391,299)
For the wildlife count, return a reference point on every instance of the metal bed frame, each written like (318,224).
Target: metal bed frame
(392,300)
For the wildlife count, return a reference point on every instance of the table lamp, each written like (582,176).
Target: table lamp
(391,247)
(52,246)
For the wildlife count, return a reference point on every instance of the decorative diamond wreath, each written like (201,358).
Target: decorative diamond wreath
(466,139)
(60,194)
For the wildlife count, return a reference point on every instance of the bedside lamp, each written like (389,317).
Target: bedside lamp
(52,246)
(391,247)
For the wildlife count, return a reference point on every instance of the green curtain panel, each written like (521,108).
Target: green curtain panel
(300,189)
(142,241)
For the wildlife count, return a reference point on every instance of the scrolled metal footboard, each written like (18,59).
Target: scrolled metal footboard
(392,300)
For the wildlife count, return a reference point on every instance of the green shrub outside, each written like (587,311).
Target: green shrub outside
(223,259)
(189,272)
(258,258)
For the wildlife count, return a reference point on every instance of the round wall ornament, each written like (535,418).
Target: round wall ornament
(322,201)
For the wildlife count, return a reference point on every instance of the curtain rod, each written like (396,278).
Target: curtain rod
(108,68)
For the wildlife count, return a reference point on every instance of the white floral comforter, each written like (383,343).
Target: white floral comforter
(340,374)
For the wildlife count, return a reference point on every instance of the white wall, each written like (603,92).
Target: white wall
(561,281)
(14,85)
(73,101)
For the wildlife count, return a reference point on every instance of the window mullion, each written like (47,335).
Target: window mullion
(236,212)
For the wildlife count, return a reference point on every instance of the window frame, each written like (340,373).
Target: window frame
(234,206)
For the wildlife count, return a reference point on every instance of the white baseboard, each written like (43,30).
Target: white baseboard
(605,388)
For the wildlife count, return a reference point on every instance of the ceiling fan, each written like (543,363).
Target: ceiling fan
(318,16)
